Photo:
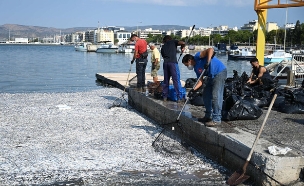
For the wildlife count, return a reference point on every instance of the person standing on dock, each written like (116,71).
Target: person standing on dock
(155,60)
(213,92)
(170,66)
(140,56)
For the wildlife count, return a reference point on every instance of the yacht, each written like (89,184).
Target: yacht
(107,47)
(241,54)
(126,48)
(82,47)
(277,56)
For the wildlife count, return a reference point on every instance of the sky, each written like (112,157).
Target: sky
(94,13)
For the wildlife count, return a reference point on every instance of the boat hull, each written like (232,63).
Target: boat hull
(80,49)
(275,60)
(107,50)
(240,57)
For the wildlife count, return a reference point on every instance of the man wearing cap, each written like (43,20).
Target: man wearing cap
(141,61)
(155,60)
(259,75)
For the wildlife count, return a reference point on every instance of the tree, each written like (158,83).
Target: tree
(297,34)
(216,38)
(270,36)
(302,34)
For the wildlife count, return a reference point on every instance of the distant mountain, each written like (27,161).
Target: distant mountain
(36,31)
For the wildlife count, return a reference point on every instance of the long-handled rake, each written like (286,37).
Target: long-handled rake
(117,102)
(179,115)
(186,42)
(239,176)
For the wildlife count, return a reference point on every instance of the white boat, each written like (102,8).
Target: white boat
(107,47)
(277,56)
(281,70)
(241,54)
(82,47)
(126,48)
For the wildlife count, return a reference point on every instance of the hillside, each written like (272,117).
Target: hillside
(36,31)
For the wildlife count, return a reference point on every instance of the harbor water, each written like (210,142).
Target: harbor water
(57,128)
(59,68)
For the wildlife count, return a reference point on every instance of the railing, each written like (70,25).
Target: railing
(298,59)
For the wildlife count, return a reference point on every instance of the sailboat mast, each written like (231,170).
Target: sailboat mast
(285,28)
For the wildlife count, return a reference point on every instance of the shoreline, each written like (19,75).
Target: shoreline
(66,138)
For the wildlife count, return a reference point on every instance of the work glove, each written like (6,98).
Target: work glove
(191,93)
(206,66)
(132,61)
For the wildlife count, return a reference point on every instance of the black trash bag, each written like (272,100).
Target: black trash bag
(197,98)
(190,82)
(279,100)
(296,96)
(259,102)
(291,108)
(158,91)
(236,108)
(244,78)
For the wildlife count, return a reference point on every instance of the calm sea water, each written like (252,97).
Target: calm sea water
(59,68)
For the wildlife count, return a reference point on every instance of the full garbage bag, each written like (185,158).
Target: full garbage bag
(236,108)
(293,103)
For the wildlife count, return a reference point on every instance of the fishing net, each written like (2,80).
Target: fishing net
(170,141)
(120,101)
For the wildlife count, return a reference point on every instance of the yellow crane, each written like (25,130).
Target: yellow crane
(261,6)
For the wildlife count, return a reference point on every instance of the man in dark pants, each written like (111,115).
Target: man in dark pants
(140,56)
(170,66)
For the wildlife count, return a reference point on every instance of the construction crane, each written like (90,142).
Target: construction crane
(261,6)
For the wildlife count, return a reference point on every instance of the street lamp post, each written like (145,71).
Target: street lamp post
(137,29)
(210,34)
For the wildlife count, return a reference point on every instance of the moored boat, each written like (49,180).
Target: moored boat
(107,47)
(277,56)
(241,54)
(286,68)
(82,47)
(126,48)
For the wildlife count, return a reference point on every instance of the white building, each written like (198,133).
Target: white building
(290,26)
(122,36)
(21,40)
(251,26)
(271,26)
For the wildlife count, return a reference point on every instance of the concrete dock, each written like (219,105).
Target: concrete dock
(125,80)
(230,143)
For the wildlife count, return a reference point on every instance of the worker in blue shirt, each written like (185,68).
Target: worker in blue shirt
(213,92)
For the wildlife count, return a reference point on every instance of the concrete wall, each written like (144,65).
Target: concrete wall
(228,146)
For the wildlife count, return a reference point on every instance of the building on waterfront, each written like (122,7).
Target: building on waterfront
(290,25)
(122,36)
(144,34)
(103,35)
(271,26)
(18,41)
(250,26)
(203,31)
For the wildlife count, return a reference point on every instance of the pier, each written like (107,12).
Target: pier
(230,143)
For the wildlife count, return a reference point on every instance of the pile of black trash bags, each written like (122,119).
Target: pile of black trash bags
(246,102)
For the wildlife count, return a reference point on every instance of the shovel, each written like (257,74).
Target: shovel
(239,176)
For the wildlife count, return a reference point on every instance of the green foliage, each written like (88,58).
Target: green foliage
(293,37)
